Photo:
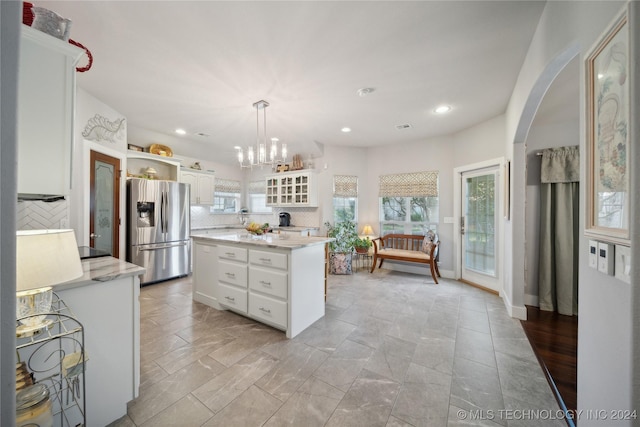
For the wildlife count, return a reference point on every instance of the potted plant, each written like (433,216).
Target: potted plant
(341,249)
(362,245)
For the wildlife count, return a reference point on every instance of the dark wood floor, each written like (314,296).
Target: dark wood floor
(554,338)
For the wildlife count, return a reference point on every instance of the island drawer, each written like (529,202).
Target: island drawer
(268,281)
(232,297)
(268,259)
(232,252)
(268,309)
(232,273)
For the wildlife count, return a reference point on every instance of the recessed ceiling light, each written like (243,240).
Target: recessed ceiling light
(237,147)
(442,109)
(181,131)
(274,139)
(366,91)
(346,129)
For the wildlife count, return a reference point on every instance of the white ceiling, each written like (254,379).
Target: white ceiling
(201,65)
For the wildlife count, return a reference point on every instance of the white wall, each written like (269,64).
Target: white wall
(87,106)
(606,330)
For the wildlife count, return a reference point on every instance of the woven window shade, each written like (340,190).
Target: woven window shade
(227,186)
(257,187)
(345,186)
(416,184)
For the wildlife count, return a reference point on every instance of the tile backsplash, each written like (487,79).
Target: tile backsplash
(35,215)
(301,217)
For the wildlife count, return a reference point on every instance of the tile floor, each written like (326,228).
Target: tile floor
(393,349)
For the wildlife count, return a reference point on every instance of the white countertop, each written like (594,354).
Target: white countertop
(271,240)
(102,269)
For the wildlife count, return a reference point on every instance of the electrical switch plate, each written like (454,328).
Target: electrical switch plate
(623,263)
(605,258)
(593,254)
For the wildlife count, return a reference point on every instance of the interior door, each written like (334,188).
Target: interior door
(479,227)
(104,204)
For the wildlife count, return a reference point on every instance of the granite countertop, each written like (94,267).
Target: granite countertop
(242,227)
(271,241)
(101,269)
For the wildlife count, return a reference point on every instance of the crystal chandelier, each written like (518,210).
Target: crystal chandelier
(258,156)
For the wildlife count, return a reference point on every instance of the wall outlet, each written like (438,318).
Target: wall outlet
(593,254)
(605,258)
(623,263)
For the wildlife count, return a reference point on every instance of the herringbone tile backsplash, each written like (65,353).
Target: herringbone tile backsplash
(37,215)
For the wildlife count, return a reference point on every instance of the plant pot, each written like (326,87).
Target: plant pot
(340,263)
(362,250)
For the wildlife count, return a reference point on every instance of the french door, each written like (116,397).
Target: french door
(479,227)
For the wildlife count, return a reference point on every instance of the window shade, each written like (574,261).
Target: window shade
(227,186)
(257,187)
(345,186)
(416,184)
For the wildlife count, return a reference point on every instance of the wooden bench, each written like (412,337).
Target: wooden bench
(409,248)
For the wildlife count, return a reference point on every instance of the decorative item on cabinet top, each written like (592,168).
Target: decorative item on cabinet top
(161,150)
(52,24)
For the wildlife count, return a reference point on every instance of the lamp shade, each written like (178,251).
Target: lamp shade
(367,230)
(45,258)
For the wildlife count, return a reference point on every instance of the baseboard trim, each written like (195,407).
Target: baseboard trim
(475,285)
(518,312)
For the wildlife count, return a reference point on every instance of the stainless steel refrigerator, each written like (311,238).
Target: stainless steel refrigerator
(158,228)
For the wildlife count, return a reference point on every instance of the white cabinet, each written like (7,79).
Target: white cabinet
(282,287)
(46,97)
(292,189)
(232,278)
(202,186)
(205,273)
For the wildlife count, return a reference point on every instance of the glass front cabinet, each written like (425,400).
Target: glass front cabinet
(292,189)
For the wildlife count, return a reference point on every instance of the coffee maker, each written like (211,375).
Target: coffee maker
(285,219)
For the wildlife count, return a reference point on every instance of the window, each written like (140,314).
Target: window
(226,196)
(345,198)
(258,197)
(409,203)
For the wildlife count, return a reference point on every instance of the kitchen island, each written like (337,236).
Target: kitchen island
(105,301)
(278,280)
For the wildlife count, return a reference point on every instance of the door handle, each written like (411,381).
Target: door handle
(94,236)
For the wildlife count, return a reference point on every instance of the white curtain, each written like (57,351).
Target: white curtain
(559,238)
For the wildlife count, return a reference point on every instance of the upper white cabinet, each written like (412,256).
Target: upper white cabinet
(46,98)
(202,185)
(292,189)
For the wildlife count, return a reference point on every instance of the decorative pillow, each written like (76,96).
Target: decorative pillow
(427,244)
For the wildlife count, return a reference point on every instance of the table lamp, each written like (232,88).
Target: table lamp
(43,258)
(367,230)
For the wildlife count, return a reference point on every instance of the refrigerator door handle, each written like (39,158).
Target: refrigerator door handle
(162,213)
(173,245)
(166,208)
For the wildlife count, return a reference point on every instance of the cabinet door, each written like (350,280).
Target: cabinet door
(205,273)
(46,94)
(191,179)
(272,191)
(286,190)
(205,188)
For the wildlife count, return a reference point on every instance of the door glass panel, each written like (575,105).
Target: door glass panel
(480,221)
(104,206)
